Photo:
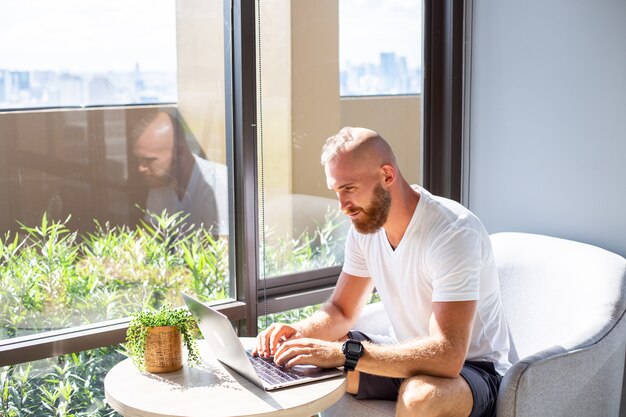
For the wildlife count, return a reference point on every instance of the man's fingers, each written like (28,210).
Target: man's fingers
(267,334)
(308,352)
(271,338)
(280,334)
(274,340)
(300,360)
(294,348)
(291,356)
(281,349)
(261,345)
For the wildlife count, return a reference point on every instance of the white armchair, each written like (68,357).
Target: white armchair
(565,303)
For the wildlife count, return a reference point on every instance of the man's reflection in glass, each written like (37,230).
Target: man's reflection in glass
(180,181)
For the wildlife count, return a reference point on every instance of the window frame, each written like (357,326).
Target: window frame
(447,34)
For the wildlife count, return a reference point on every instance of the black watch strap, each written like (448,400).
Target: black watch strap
(350,364)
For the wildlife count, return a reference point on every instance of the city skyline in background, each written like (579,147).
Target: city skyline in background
(135,63)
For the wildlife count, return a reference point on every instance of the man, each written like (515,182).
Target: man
(179,181)
(430,260)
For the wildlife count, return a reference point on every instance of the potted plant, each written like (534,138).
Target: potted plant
(153,339)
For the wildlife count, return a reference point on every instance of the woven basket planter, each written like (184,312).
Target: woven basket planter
(164,351)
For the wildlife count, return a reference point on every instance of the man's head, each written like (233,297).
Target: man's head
(361,168)
(154,146)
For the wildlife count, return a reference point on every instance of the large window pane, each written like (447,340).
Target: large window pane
(77,53)
(300,55)
(105,211)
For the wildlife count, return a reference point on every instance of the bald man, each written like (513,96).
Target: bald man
(179,181)
(430,260)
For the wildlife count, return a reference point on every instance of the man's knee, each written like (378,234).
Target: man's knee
(432,396)
(418,396)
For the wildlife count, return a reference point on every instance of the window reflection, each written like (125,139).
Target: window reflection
(178,180)
(67,164)
(88,233)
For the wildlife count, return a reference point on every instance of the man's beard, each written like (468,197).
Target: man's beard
(162,177)
(372,218)
(159,179)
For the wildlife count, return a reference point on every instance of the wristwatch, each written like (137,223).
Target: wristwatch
(352,350)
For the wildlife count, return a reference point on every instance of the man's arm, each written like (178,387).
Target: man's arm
(341,311)
(331,322)
(442,353)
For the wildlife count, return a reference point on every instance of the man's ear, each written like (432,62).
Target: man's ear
(388,174)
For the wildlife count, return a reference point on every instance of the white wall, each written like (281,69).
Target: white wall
(547,124)
(548,118)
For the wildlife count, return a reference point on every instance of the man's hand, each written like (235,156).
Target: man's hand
(304,351)
(269,339)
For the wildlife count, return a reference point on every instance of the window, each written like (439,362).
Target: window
(62,53)
(107,210)
(303,51)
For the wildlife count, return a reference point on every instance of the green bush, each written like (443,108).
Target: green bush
(55,278)
(284,254)
(52,278)
(67,386)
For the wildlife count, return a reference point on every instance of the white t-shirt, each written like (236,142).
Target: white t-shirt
(444,255)
(205,199)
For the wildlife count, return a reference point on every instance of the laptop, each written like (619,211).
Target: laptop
(227,348)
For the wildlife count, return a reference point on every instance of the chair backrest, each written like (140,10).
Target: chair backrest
(557,292)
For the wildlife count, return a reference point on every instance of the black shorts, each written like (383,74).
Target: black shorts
(481,376)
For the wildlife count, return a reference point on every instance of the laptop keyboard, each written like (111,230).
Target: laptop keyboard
(270,372)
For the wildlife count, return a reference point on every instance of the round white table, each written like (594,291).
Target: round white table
(211,390)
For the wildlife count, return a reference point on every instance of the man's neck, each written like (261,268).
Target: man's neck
(400,214)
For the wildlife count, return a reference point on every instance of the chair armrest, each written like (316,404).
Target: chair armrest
(577,383)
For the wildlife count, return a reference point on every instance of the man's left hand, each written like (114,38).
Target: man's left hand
(309,352)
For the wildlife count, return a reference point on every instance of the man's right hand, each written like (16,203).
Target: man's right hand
(269,339)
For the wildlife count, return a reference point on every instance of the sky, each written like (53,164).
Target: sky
(64,34)
(113,35)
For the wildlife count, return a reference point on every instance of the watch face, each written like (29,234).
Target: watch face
(354,348)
